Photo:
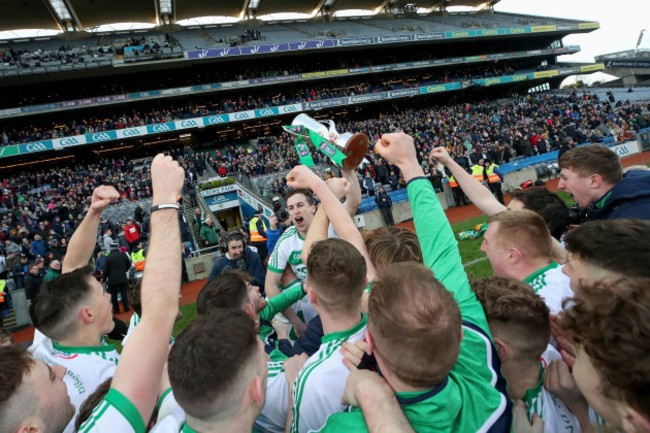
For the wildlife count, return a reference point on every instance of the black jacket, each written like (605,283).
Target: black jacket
(115,268)
(32,285)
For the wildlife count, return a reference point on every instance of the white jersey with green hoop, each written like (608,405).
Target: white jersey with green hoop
(556,415)
(318,389)
(552,285)
(273,417)
(114,414)
(287,252)
(87,367)
(171,417)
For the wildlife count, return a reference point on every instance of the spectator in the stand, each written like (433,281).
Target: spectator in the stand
(369,184)
(20,271)
(107,240)
(33,281)
(594,177)
(55,249)
(392,180)
(132,233)
(53,271)
(209,233)
(199,218)
(38,246)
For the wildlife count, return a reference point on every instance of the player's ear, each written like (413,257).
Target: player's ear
(514,255)
(634,421)
(502,348)
(371,342)
(313,297)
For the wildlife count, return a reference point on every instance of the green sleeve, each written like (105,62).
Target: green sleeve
(440,249)
(283,301)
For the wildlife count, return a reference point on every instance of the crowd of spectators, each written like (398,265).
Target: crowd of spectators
(64,55)
(138,83)
(40,210)
(63,127)
(499,131)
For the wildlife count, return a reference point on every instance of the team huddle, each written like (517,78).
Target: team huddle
(384,332)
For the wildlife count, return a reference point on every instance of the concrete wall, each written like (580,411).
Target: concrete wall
(199,267)
(401,212)
(514,180)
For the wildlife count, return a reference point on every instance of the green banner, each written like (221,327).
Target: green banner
(303,152)
(9,151)
(328,149)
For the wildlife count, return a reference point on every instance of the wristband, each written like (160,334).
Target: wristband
(165,206)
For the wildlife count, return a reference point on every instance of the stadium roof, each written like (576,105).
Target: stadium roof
(84,14)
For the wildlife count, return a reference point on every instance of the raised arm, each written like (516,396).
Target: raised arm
(473,189)
(353,195)
(437,241)
(82,243)
(317,232)
(140,368)
(302,177)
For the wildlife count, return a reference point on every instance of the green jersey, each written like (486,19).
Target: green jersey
(473,396)
(289,296)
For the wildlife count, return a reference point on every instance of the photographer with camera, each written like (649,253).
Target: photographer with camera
(278,223)
(594,177)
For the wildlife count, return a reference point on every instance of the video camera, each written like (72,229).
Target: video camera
(280,212)
(577,215)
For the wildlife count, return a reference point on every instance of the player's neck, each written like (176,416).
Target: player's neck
(339,322)
(85,337)
(521,377)
(528,268)
(225,426)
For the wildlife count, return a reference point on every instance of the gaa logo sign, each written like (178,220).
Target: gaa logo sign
(36,147)
(100,137)
(70,141)
(130,132)
(241,116)
(288,108)
(160,128)
(213,120)
(188,124)
(266,112)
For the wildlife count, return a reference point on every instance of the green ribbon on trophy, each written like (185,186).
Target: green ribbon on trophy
(303,152)
(345,150)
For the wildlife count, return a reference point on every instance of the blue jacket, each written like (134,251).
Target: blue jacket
(630,198)
(251,263)
(38,248)
(272,237)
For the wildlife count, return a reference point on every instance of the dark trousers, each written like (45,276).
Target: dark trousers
(496,190)
(261,249)
(459,196)
(113,289)
(387,214)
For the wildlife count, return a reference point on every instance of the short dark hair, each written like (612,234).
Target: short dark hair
(609,319)
(616,245)
(337,272)
(53,309)
(593,159)
(208,359)
(515,313)
(224,291)
(549,205)
(92,401)
(306,192)
(15,364)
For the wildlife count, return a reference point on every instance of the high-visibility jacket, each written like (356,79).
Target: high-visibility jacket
(255,235)
(138,260)
(3,284)
(492,176)
(477,172)
(452,182)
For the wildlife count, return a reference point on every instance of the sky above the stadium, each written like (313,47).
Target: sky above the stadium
(620,23)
